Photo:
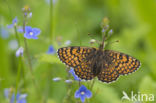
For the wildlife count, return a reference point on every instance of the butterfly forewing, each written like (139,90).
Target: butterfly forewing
(76,57)
(73,56)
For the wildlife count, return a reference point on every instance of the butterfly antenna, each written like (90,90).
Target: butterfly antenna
(114,42)
(90,35)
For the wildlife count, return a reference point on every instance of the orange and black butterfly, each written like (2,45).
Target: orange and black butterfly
(90,62)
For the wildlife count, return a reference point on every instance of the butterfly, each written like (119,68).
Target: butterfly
(90,62)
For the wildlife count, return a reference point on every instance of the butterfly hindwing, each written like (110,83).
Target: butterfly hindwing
(84,71)
(108,74)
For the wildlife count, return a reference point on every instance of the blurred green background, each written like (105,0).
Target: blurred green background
(133,23)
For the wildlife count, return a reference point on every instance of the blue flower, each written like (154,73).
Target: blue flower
(30,15)
(110,32)
(68,81)
(74,75)
(12,98)
(4,33)
(14,23)
(83,93)
(20,29)
(51,50)
(103,30)
(56,79)
(19,52)
(19,98)
(6,92)
(31,33)
(67,43)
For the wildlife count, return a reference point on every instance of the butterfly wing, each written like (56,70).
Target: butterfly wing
(108,74)
(123,63)
(117,64)
(76,57)
(84,71)
(73,56)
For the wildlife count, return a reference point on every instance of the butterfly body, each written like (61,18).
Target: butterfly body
(106,65)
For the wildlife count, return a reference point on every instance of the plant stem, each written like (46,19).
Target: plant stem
(17,37)
(68,96)
(20,64)
(29,59)
(18,73)
(51,22)
(28,55)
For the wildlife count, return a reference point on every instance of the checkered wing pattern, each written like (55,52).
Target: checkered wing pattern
(123,63)
(73,56)
(84,71)
(118,64)
(76,57)
(108,74)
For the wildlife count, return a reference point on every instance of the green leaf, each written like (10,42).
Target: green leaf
(49,58)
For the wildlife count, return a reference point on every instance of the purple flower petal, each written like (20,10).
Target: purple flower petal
(21,98)
(26,35)
(15,20)
(28,29)
(83,88)
(36,31)
(10,26)
(30,15)
(21,101)
(83,93)
(20,30)
(17,96)
(88,94)
(12,98)
(34,37)
(74,75)
(68,81)
(6,92)
(82,97)
(51,50)
(4,32)
(19,52)
(31,33)
(56,79)
(77,94)
(67,43)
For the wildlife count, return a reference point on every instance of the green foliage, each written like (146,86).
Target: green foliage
(133,23)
